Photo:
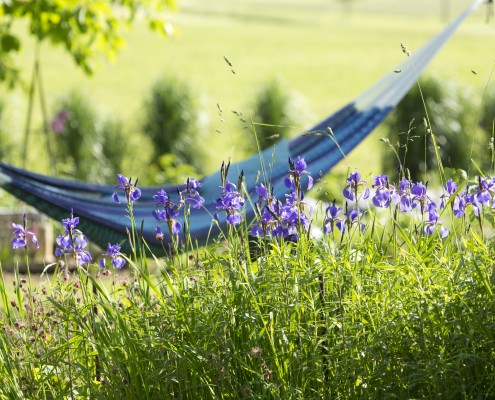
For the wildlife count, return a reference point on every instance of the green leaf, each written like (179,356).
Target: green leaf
(10,43)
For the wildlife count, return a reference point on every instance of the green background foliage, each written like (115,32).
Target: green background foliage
(172,122)
(451,116)
(321,50)
(88,30)
(77,143)
(274,114)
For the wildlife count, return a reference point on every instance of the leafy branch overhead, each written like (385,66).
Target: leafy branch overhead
(91,31)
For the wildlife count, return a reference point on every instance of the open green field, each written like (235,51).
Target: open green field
(325,50)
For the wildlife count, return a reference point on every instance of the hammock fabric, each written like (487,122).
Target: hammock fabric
(105,222)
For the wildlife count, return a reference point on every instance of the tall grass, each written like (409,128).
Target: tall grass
(388,295)
(389,311)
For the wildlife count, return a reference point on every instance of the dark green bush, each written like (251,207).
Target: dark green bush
(487,120)
(113,147)
(87,148)
(5,143)
(76,137)
(172,122)
(452,114)
(487,117)
(272,115)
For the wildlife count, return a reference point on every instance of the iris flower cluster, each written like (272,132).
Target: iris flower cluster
(167,211)
(409,196)
(333,220)
(73,241)
(231,200)
(279,219)
(113,251)
(283,220)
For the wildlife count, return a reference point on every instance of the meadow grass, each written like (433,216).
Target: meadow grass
(377,307)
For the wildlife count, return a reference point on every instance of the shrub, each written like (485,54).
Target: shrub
(487,120)
(452,117)
(487,117)
(172,122)
(5,144)
(75,130)
(87,148)
(275,111)
(113,147)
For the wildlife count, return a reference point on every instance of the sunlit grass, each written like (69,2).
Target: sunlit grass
(389,311)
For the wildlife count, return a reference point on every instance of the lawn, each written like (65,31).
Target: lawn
(323,50)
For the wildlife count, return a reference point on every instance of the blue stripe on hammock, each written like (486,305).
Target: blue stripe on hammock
(102,220)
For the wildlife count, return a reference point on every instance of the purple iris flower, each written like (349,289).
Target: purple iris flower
(194,184)
(70,223)
(383,194)
(420,197)
(459,206)
(191,195)
(352,217)
(470,198)
(402,196)
(269,223)
(292,215)
(380,181)
(381,198)
(113,251)
(282,220)
(268,199)
(234,218)
(173,224)
(21,235)
(450,188)
(432,223)
(332,220)
(73,242)
(167,211)
(74,246)
(485,190)
(352,186)
(132,193)
(419,190)
(161,197)
(264,225)
(263,193)
(405,204)
(231,202)
(296,171)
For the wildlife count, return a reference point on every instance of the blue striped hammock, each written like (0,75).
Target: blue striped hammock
(322,146)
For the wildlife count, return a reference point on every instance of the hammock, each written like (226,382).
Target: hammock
(105,222)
